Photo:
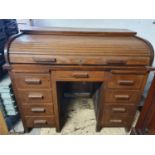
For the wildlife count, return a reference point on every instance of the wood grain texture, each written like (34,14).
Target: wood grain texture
(125,81)
(77,31)
(39,60)
(55,46)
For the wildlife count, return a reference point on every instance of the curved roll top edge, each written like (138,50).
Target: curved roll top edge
(11,39)
(150,46)
(6,49)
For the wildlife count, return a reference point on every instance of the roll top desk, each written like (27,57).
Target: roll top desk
(38,59)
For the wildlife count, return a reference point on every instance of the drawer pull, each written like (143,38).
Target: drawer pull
(38,109)
(80,75)
(115,121)
(122,97)
(35,96)
(118,62)
(118,109)
(45,60)
(40,122)
(125,82)
(32,81)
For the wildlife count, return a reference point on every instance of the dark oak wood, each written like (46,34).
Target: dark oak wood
(122,96)
(40,60)
(37,110)
(39,121)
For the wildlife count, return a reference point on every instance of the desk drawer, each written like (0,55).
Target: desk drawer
(32,121)
(31,81)
(118,121)
(80,75)
(119,110)
(122,96)
(35,96)
(118,116)
(125,81)
(38,110)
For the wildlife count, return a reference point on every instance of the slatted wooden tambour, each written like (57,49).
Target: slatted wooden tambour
(37,59)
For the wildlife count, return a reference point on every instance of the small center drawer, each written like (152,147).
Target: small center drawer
(38,110)
(125,81)
(32,80)
(35,96)
(122,96)
(80,75)
(40,121)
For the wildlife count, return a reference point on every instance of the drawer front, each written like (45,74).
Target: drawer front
(116,116)
(32,81)
(32,121)
(35,96)
(119,110)
(80,75)
(37,110)
(117,121)
(125,81)
(122,96)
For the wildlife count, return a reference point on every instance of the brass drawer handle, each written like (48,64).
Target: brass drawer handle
(38,109)
(122,97)
(118,109)
(40,122)
(115,121)
(32,81)
(118,62)
(44,60)
(125,82)
(35,96)
(81,75)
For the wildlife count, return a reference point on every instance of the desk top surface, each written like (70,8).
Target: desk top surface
(78,31)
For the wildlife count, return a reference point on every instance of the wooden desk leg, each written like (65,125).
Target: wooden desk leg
(98,128)
(58,129)
(56,103)
(3,125)
(27,130)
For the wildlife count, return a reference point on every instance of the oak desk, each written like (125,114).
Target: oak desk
(40,60)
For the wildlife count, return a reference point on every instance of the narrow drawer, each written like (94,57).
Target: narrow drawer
(32,81)
(122,96)
(117,121)
(80,75)
(125,81)
(118,118)
(32,121)
(35,96)
(37,110)
(119,110)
